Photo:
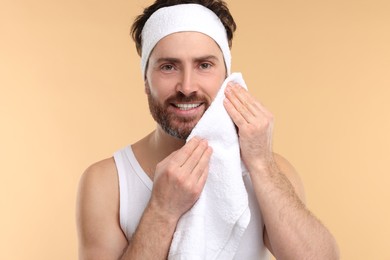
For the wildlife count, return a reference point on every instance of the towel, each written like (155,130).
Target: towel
(213,227)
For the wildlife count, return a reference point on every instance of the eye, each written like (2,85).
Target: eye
(205,66)
(167,67)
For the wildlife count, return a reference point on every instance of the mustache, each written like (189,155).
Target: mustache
(180,97)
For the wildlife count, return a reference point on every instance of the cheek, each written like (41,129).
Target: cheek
(158,90)
(215,87)
(152,85)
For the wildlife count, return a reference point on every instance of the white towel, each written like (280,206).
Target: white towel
(213,227)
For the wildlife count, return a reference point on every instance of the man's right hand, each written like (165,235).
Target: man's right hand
(180,178)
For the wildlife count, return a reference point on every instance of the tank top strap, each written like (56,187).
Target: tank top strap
(135,188)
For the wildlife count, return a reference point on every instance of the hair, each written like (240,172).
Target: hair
(219,7)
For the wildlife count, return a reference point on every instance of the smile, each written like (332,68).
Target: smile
(187,106)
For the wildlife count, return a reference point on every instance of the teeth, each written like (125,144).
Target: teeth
(187,106)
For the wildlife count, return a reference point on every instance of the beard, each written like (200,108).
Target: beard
(179,127)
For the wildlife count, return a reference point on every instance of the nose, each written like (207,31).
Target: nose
(187,82)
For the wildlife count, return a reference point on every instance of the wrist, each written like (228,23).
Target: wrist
(160,215)
(263,167)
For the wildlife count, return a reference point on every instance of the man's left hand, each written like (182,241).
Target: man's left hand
(255,126)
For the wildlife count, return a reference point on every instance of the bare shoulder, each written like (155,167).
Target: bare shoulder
(100,236)
(292,175)
(99,182)
(99,173)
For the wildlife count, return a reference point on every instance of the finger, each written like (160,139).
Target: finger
(201,170)
(253,105)
(245,98)
(181,155)
(239,100)
(195,157)
(249,102)
(236,116)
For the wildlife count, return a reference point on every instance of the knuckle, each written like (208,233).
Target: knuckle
(201,170)
(203,144)
(194,192)
(186,151)
(198,189)
(170,169)
(188,186)
(180,181)
(251,129)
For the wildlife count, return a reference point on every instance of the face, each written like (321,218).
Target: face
(184,73)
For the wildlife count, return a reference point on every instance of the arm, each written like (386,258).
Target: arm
(99,232)
(292,232)
(178,182)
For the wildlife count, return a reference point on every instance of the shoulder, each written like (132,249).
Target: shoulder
(98,210)
(100,171)
(292,175)
(99,185)
(100,176)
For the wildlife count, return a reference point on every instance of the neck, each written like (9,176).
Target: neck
(163,144)
(154,148)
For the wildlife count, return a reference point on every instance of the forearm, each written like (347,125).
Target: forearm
(152,238)
(293,232)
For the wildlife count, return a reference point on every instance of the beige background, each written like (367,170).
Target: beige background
(71,94)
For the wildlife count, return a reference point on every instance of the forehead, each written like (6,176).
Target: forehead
(182,44)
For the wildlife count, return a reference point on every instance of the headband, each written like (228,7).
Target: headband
(183,18)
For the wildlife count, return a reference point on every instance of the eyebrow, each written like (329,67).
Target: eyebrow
(197,59)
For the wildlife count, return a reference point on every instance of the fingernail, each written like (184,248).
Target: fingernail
(228,88)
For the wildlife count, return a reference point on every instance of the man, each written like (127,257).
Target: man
(162,176)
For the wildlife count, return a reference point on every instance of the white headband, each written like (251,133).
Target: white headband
(183,18)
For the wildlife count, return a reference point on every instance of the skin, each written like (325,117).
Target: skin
(192,63)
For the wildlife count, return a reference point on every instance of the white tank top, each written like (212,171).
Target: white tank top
(135,189)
